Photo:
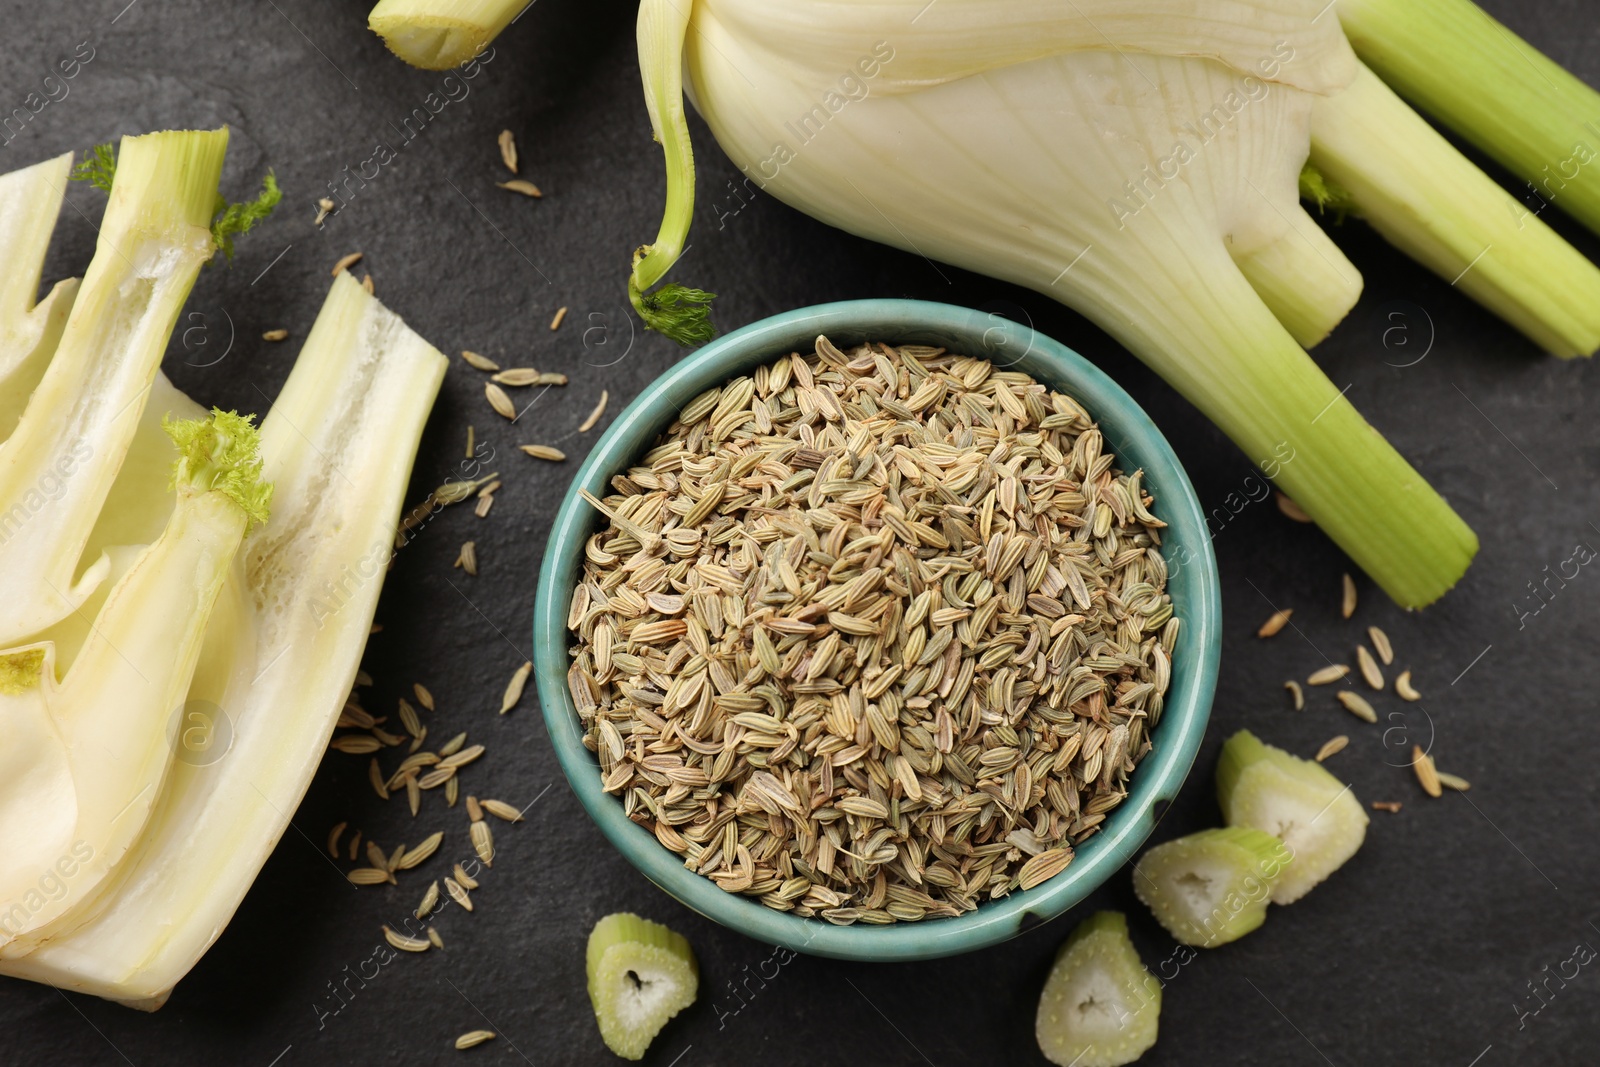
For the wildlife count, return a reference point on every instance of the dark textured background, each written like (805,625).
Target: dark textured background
(1420,950)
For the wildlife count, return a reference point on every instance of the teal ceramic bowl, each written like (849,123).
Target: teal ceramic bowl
(1137,444)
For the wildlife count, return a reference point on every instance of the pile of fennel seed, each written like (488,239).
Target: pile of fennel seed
(873,635)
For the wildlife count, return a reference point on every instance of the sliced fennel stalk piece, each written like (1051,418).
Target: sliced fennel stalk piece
(1493,88)
(89,755)
(1036,169)
(57,467)
(281,656)
(438,34)
(30,200)
(1434,204)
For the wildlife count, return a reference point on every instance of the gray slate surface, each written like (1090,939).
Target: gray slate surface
(1420,951)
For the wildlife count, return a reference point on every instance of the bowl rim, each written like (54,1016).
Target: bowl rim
(1195,663)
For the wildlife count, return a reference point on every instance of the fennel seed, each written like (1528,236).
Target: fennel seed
(1369,668)
(499,401)
(517,377)
(1329,674)
(474,809)
(1402,686)
(1422,763)
(375,776)
(457,893)
(1391,806)
(452,746)
(356,744)
(559,317)
(413,795)
(483,842)
(513,692)
(485,502)
(1038,870)
(501,810)
(416,742)
(594,416)
(1291,509)
(554,455)
(467,560)
(1296,694)
(429,845)
(368,876)
(355,843)
(517,185)
(1452,781)
(346,262)
(474,1037)
(479,362)
(275,335)
(325,208)
(1380,643)
(461,758)
(429,900)
(1347,604)
(435,778)
(363,678)
(408,718)
(456,492)
(395,856)
(472,445)
(1277,621)
(404,943)
(508,150)
(464,878)
(386,737)
(1332,747)
(1357,705)
(452,790)
(333,838)
(434,938)
(376,856)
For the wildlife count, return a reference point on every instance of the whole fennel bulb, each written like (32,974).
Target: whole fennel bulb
(1138,162)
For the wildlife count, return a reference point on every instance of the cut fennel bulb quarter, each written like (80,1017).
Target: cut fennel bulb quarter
(57,467)
(93,751)
(280,657)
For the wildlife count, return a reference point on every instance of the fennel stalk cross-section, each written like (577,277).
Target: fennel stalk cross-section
(280,657)
(1126,158)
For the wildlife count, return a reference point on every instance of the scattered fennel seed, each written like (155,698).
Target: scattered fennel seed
(517,377)
(404,943)
(501,810)
(1333,747)
(413,795)
(483,843)
(1452,781)
(479,362)
(1296,694)
(545,452)
(1422,763)
(333,838)
(499,401)
(452,790)
(369,876)
(1275,622)
(508,150)
(1369,668)
(474,809)
(348,261)
(1357,705)
(355,843)
(1347,604)
(434,939)
(1329,674)
(559,317)
(464,878)
(462,758)
(472,442)
(375,776)
(429,846)
(513,692)
(1402,686)
(517,185)
(474,1037)
(429,900)
(408,718)
(468,558)
(1291,509)
(594,416)
(1391,806)
(423,695)
(275,335)
(356,744)
(325,208)
(456,492)
(1380,642)
(452,746)
(376,856)
(458,893)
(485,502)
